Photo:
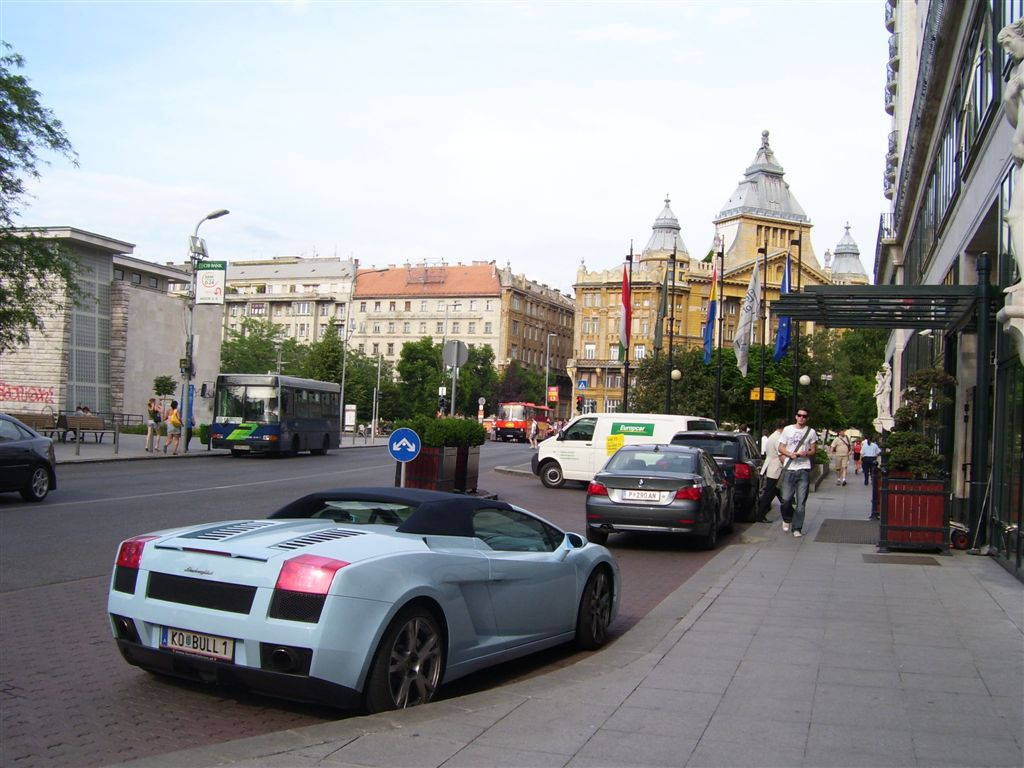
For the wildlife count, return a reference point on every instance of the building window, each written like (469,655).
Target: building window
(136,278)
(257,310)
(362,306)
(440,306)
(590,352)
(233,311)
(487,305)
(440,328)
(515,327)
(118,274)
(472,328)
(613,352)
(301,307)
(376,349)
(423,328)
(376,306)
(323,310)
(423,306)
(152,282)
(639,351)
(455,327)
(391,328)
(391,349)
(472,305)
(488,328)
(515,352)
(408,306)
(361,348)
(456,306)
(406,328)
(517,303)
(392,306)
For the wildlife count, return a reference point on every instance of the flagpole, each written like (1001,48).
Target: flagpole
(764,302)
(671,332)
(721,320)
(625,356)
(799,243)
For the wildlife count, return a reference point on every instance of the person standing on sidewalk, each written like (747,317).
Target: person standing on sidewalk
(771,471)
(173,428)
(152,425)
(869,453)
(797,444)
(840,450)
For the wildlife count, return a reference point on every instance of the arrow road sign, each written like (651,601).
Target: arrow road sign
(404,445)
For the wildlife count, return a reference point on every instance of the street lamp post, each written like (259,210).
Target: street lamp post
(346,335)
(547,367)
(196,252)
(720,242)
(799,243)
(671,330)
(764,343)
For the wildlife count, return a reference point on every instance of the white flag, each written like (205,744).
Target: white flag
(750,309)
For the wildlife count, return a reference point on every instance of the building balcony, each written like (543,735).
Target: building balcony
(894,52)
(890,16)
(894,148)
(890,101)
(888,187)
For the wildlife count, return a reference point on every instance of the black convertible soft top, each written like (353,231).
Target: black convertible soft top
(436,513)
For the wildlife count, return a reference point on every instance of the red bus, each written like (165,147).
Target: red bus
(513,421)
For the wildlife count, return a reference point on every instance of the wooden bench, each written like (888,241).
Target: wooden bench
(43,423)
(82,425)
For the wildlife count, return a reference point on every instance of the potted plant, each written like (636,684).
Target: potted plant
(913,496)
(449,459)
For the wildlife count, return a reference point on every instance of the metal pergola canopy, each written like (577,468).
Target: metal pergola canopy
(916,307)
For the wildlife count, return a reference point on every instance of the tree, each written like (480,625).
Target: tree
(477,378)
(34,272)
(324,359)
(421,369)
(253,347)
(520,384)
(163,386)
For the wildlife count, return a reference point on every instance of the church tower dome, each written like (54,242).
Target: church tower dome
(846,266)
(665,237)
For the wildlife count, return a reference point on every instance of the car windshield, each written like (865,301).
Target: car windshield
(726,448)
(354,512)
(652,461)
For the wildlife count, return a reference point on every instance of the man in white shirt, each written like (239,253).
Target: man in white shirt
(797,446)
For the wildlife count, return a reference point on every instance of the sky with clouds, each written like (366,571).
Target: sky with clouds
(538,134)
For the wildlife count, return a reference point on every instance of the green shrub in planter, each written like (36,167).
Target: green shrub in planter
(911,452)
(445,433)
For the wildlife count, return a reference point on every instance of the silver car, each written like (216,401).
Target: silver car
(660,489)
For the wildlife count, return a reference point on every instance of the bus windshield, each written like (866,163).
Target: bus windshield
(241,403)
(512,411)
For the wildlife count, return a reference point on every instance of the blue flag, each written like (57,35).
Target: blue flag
(782,340)
(709,329)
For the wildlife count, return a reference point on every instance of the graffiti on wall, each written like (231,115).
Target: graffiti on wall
(20,393)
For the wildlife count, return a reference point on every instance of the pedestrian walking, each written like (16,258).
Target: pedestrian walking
(153,418)
(869,453)
(840,451)
(798,443)
(534,432)
(771,471)
(173,428)
(856,457)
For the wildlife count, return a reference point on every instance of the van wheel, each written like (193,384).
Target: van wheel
(551,475)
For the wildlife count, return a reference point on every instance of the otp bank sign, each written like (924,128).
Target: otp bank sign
(627,428)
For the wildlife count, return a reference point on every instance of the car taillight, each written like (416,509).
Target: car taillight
(596,489)
(311,574)
(742,471)
(691,493)
(130,553)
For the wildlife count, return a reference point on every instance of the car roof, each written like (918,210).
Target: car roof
(436,513)
(668,447)
(717,435)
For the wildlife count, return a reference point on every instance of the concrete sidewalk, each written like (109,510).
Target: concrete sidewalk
(133,447)
(779,652)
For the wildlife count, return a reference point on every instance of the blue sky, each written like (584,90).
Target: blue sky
(538,134)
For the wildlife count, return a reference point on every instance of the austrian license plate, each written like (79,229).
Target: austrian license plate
(641,495)
(197,643)
(239,447)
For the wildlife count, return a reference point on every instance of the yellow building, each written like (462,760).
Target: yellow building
(760,223)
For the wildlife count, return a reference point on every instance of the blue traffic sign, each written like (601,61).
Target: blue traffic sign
(404,445)
(581,384)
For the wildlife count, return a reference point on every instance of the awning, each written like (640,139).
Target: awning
(941,307)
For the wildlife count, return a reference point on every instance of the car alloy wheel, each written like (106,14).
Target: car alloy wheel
(595,611)
(38,486)
(551,475)
(407,667)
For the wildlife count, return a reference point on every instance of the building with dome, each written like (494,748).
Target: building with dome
(844,267)
(761,222)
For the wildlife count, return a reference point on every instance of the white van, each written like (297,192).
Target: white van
(586,442)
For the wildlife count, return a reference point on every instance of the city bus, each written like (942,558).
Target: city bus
(513,422)
(253,413)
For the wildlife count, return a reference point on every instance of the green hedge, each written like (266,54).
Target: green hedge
(441,433)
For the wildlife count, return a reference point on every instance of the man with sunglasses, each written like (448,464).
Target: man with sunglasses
(797,446)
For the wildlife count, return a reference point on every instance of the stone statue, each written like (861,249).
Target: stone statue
(1011,38)
(883,395)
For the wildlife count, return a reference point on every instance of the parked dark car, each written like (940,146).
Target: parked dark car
(659,489)
(740,459)
(27,463)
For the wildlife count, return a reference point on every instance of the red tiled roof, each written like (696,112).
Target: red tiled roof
(421,280)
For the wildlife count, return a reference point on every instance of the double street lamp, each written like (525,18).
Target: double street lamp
(197,252)
(547,367)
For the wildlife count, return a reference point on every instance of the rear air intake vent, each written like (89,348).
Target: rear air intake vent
(317,538)
(222,532)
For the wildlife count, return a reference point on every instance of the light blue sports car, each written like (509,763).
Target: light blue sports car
(359,597)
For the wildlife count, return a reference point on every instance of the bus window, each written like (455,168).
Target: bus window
(229,404)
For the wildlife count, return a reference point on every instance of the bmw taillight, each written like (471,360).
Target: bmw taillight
(690,493)
(742,471)
(301,588)
(129,559)
(596,489)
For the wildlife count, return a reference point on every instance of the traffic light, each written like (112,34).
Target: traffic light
(579,403)
(442,405)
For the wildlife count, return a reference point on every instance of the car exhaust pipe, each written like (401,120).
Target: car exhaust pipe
(284,660)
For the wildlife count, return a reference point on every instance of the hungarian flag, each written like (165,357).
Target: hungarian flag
(782,339)
(709,329)
(626,319)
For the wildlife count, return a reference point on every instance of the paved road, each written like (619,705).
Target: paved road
(68,699)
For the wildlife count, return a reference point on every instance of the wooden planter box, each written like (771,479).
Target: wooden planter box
(433,469)
(467,468)
(914,512)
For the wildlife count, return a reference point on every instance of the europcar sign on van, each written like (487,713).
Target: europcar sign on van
(632,428)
